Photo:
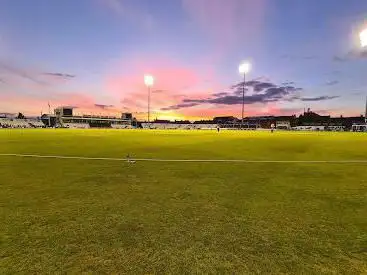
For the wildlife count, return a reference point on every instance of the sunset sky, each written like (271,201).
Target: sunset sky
(93,54)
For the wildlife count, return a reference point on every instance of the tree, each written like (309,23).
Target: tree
(20,116)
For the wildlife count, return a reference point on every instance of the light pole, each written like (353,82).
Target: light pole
(49,114)
(243,69)
(363,40)
(149,81)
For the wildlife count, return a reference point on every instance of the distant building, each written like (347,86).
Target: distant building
(64,117)
(225,119)
(204,122)
(283,124)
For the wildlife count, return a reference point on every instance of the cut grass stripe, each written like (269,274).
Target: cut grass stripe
(180,160)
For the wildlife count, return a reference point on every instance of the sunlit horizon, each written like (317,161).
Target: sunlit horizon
(97,59)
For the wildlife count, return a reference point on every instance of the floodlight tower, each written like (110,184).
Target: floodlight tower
(149,81)
(243,69)
(363,41)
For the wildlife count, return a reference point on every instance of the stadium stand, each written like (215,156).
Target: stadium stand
(309,128)
(120,126)
(177,126)
(20,123)
(335,128)
(64,117)
(359,128)
(76,125)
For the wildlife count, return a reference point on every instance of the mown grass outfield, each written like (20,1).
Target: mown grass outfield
(100,216)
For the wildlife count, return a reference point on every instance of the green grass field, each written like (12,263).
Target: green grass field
(99,216)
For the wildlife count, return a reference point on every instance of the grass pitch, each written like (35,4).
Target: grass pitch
(74,216)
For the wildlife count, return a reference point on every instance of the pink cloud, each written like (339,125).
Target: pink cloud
(208,112)
(174,80)
(25,76)
(34,104)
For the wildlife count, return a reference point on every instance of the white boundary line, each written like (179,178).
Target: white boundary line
(181,160)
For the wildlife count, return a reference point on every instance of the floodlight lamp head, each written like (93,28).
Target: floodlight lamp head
(244,68)
(148,80)
(363,38)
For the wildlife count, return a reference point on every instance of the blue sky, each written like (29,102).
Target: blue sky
(89,52)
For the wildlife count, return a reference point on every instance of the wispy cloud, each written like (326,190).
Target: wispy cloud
(332,83)
(103,106)
(295,57)
(179,106)
(60,75)
(257,92)
(319,98)
(286,83)
(337,58)
(259,86)
(263,92)
(158,91)
(351,55)
(220,94)
(9,68)
(336,72)
(357,93)
(264,85)
(11,72)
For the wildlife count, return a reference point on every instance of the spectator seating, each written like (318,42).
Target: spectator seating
(20,123)
(76,125)
(121,126)
(171,126)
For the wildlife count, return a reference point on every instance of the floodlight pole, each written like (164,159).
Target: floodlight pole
(149,106)
(243,97)
(49,115)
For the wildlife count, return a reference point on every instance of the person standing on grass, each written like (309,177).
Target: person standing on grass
(218,129)
(272,126)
